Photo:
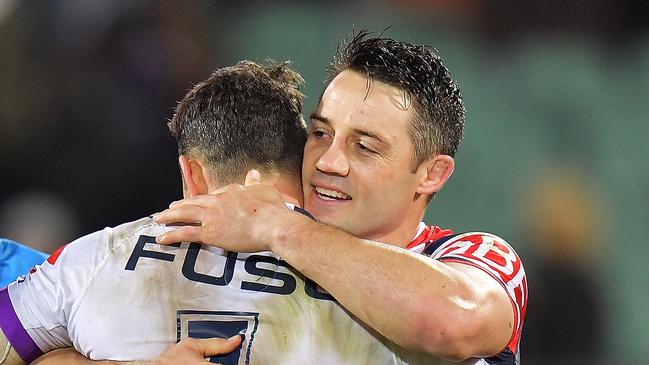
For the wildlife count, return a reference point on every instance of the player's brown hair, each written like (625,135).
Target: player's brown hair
(243,117)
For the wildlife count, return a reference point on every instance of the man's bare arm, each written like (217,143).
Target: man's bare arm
(70,356)
(186,352)
(452,311)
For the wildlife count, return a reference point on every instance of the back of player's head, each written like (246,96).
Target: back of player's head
(243,117)
(427,84)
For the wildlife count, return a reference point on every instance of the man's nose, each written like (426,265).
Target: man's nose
(334,160)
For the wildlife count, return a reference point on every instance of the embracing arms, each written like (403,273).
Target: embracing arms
(448,309)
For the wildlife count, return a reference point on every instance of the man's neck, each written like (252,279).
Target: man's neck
(290,188)
(402,234)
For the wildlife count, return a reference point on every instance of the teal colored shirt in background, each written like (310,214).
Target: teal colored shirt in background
(16,260)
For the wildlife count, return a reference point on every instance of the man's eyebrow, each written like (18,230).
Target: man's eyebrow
(370,134)
(360,132)
(320,118)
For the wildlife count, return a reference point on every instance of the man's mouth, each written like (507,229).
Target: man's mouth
(327,194)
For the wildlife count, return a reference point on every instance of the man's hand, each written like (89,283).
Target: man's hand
(194,351)
(235,218)
(187,352)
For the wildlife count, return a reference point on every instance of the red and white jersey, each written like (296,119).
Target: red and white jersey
(494,256)
(117,295)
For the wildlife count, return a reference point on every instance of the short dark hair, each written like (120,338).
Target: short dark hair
(243,117)
(438,124)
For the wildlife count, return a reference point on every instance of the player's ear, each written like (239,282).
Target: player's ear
(195,178)
(433,173)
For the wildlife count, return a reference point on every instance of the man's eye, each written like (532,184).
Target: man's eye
(318,134)
(364,148)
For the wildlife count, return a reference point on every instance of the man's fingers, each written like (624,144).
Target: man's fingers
(216,346)
(253,178)
(188,214)
(181,234)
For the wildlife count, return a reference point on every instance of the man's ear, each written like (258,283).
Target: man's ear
(433,174)
(195,178)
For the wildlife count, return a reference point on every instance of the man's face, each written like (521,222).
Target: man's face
(356,172)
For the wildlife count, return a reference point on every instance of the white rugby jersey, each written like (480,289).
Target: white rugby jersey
(117,295)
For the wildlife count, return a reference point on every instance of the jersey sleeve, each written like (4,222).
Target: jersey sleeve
(497,258)
(16,260)
(37,307)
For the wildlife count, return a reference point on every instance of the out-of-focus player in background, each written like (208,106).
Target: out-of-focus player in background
(16,260)
(381,144)
(97,293)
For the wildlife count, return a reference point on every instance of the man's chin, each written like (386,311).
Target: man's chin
(330,214)
(321,217)
(338,222)
(324,216)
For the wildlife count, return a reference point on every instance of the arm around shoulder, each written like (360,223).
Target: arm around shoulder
(447,309)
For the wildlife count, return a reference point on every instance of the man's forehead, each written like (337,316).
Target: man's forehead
(352,82)
(368,105)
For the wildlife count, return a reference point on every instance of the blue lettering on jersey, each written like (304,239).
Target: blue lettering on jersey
(288,286)
(139,251)
(289,283)
(313,290)
(190,264)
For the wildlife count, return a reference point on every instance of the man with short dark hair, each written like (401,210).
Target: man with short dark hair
(243,117)
(381,145)
(115,294)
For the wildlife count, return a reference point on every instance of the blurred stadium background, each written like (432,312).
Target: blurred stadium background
(554,158)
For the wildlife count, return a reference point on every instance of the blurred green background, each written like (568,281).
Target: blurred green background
(554,157)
